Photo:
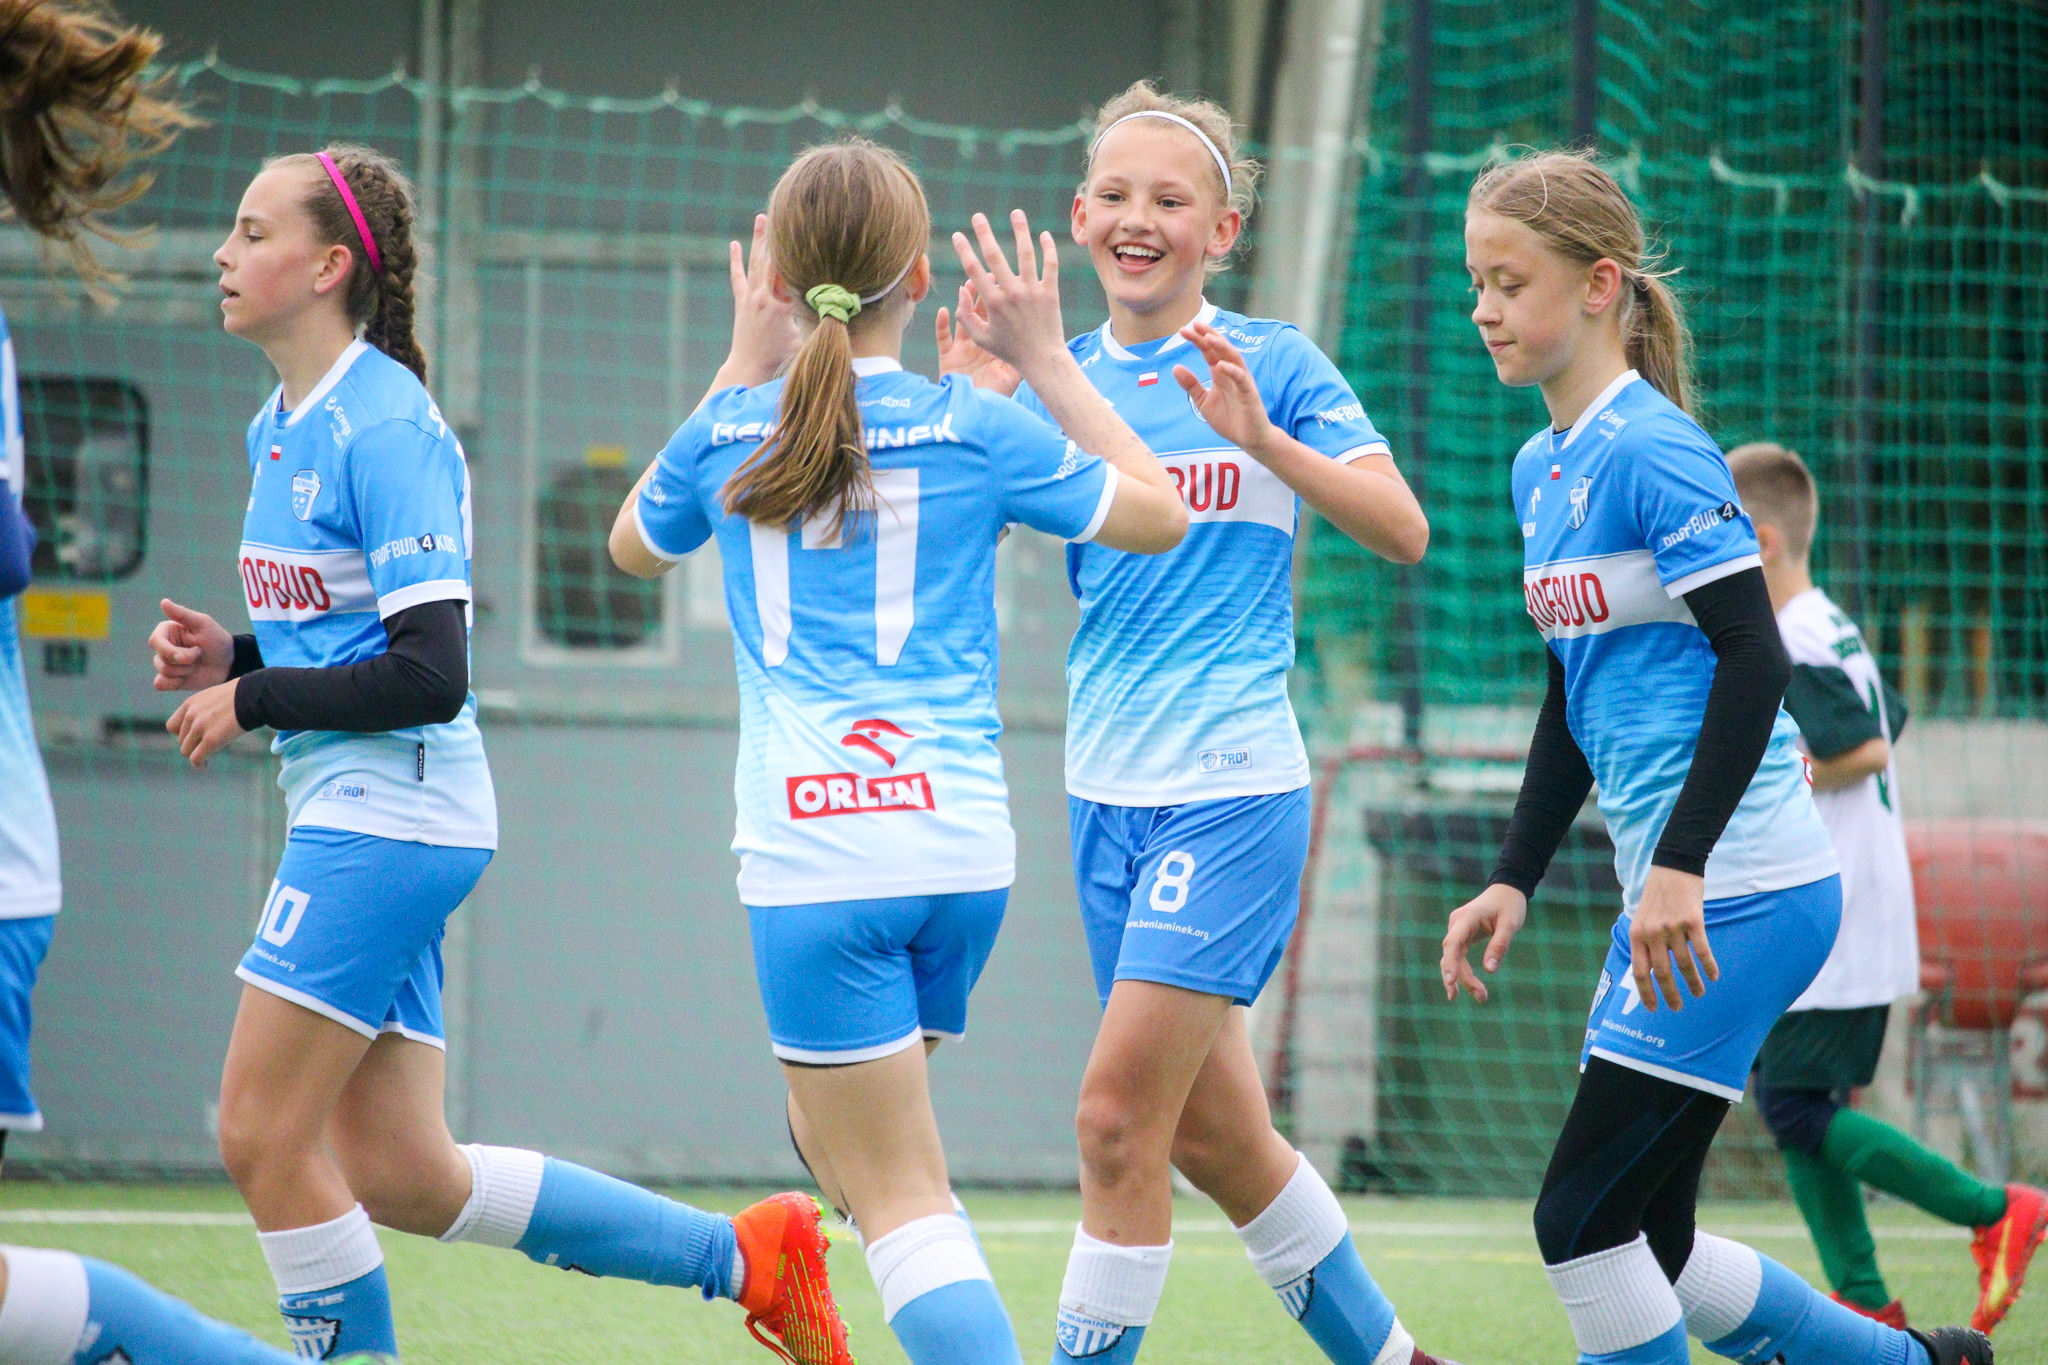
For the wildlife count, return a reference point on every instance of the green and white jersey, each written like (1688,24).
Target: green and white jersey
(1839,701)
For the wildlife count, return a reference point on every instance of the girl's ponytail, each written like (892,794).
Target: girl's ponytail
(846,224)
(1658,343)
(379,293)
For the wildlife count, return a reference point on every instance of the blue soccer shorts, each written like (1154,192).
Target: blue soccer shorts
(1201,896)
(852,981)
(352,929)
(1769,947)
(23,942)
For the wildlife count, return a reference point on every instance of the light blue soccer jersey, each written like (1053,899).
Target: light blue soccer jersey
(29,882)
(1177,677)
(359,508)
(1621,517)
(867,658)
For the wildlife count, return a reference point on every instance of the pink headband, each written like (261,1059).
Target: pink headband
(354,211)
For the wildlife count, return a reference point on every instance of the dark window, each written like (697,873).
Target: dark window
(583,601)
(87,485)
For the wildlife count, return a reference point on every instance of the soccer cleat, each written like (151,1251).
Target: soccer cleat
(782,1241)
(2004,1250)
(1422,1357)
(1954,1345)
(1892,1314)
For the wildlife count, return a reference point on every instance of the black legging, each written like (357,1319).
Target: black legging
(1627,1162)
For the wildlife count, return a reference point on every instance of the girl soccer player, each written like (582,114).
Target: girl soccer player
(857,510)
(1666,670)
(355,566)
(1187,779)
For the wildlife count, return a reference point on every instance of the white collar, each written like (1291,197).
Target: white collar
(327,381)
(1118,352)
(865,365)
(1596,407)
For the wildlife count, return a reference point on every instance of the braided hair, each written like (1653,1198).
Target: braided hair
(380,301)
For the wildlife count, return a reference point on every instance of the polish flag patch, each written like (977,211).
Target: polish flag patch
(277,452)
(1557,471)
(1148,378)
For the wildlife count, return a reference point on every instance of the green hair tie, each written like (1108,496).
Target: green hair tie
(833,301)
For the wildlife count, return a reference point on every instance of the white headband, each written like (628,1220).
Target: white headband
(883,292)
(1222,164)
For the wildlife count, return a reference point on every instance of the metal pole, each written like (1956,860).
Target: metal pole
(1415,187)
(1869,303)
(1585,71)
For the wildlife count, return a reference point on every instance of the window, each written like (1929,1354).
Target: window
(582,601)
(87,484)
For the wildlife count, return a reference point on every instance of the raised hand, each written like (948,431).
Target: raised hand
(1017,318)
(959,355)
(1670,924)
(1496,915)
(1230,403)
(190,650)
(764,330)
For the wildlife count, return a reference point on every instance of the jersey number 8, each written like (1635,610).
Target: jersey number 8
(1170,886)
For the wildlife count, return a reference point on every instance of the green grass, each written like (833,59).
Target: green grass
(1464,1273)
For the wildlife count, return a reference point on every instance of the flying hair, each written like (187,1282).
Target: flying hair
(1776,487)
(77,112)
(1582,213)
(846,224)
(1212,127)
(379,293)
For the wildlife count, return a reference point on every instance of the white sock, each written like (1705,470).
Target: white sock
(922,1255)
(1113,1285)
(43,1315)
(1616,1298)
(1303,1224)
(303,1260)
(1718,1288)
(504,1183)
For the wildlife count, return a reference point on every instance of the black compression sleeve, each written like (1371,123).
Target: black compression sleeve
(248,658)
(1751,670)
(422,679)
(1554,786)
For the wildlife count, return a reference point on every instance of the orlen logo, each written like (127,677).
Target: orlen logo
(272,586)
(1571,599)
(1211,486)
(824,794)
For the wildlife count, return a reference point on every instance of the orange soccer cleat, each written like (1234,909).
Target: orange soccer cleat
(2003,1251)
(1892,1314)
(782,1240)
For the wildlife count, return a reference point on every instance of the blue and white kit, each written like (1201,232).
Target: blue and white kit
(868,769)
(359,507)
(1186,774)
(1621,517)
(30,886)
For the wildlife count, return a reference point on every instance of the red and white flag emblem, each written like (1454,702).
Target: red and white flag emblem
(277,452)
(1148,378)
(1557,471)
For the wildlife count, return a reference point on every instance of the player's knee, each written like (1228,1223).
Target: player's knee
(252,1137)
(1565,1227)
(1204,1155)
(1797,1119)
(1110,1136)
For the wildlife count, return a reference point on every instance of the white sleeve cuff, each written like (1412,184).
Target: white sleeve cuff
(1699,578)
(1109,482)
(647,541)
(434,590)
(1360,452)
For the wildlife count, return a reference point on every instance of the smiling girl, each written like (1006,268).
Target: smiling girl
(355,564)
(1665,673)
(1187,779)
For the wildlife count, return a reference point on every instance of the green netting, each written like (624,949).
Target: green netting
(1885,318)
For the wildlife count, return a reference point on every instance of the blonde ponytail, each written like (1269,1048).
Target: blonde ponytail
(1657,341)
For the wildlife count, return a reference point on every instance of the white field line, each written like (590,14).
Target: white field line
(990,1227)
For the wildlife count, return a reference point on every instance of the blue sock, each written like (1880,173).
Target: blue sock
(331,1287)
(1341,1308)
(961,1321)
(64,1307)
(1101,1343)
(585,1221)
(1669,1349)
(1790,1319)
(1109,1295)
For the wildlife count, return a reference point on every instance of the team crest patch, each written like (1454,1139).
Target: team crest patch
(1581,491)
(1081,1336)
(305,490)
(312,1338)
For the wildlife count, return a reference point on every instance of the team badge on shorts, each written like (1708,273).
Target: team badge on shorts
(305,488)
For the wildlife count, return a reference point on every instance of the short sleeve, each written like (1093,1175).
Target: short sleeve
(1310,400)
(669,513)
(1048,483)
(1831,717)
(1685,509)
(1028,401)
(407,488)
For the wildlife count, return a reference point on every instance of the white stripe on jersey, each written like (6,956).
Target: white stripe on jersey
(1569,598)
(303,585)
(1225,484)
